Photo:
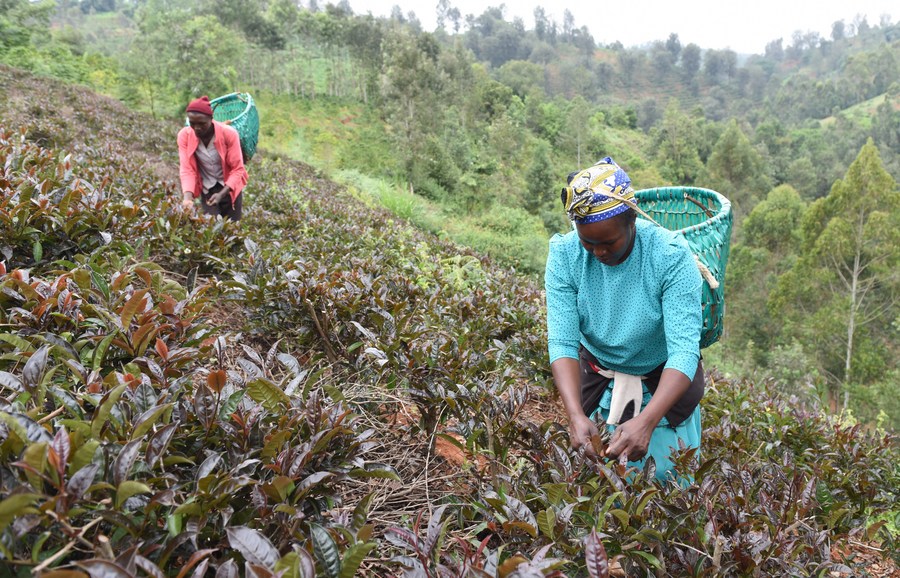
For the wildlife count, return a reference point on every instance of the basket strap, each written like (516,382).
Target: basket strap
(707,274)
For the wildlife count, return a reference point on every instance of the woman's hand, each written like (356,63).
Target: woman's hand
(581,431)
(216,198)
(187,202)
(631,439)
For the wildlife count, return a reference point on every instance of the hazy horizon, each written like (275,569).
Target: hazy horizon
(701,22)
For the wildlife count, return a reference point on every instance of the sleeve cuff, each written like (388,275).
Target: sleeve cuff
(560,350)
(686,363)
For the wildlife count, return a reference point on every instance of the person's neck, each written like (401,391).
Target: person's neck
(207,138)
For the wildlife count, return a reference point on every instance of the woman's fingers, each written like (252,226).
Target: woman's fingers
(582,433)
(629,440)
(615,443)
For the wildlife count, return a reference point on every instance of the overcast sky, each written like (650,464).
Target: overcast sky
(745,27)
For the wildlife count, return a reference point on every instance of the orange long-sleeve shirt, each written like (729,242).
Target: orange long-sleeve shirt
(228,144)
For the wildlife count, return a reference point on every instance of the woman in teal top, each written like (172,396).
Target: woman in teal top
(623,323)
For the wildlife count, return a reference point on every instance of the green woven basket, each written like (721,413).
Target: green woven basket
(238,110)
(704,218)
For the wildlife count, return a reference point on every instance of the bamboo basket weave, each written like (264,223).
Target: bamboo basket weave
(703,217)
(238,110)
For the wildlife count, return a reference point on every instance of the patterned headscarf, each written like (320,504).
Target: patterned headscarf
(598,192)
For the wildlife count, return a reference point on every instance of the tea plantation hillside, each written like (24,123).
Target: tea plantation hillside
(325,390)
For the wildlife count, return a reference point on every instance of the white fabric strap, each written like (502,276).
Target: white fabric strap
(626,387)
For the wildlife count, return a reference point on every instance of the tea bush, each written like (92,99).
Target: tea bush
(112,429)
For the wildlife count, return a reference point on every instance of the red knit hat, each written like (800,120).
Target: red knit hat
(200,105)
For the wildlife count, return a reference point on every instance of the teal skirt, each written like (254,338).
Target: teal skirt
(664,440)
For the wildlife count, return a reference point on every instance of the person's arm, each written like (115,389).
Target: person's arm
(234,160)
(563,340)
(567,377)
(186,172)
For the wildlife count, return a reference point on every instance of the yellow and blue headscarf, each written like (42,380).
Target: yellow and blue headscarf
(599,192)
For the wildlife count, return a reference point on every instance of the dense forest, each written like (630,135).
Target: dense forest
(384,296)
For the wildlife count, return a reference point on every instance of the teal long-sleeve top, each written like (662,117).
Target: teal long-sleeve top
(633,316)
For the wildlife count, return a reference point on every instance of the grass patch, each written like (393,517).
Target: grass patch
(330,134)
(512,236)
(392,196)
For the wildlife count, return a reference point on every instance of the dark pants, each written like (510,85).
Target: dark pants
(224,207)
(593,385)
